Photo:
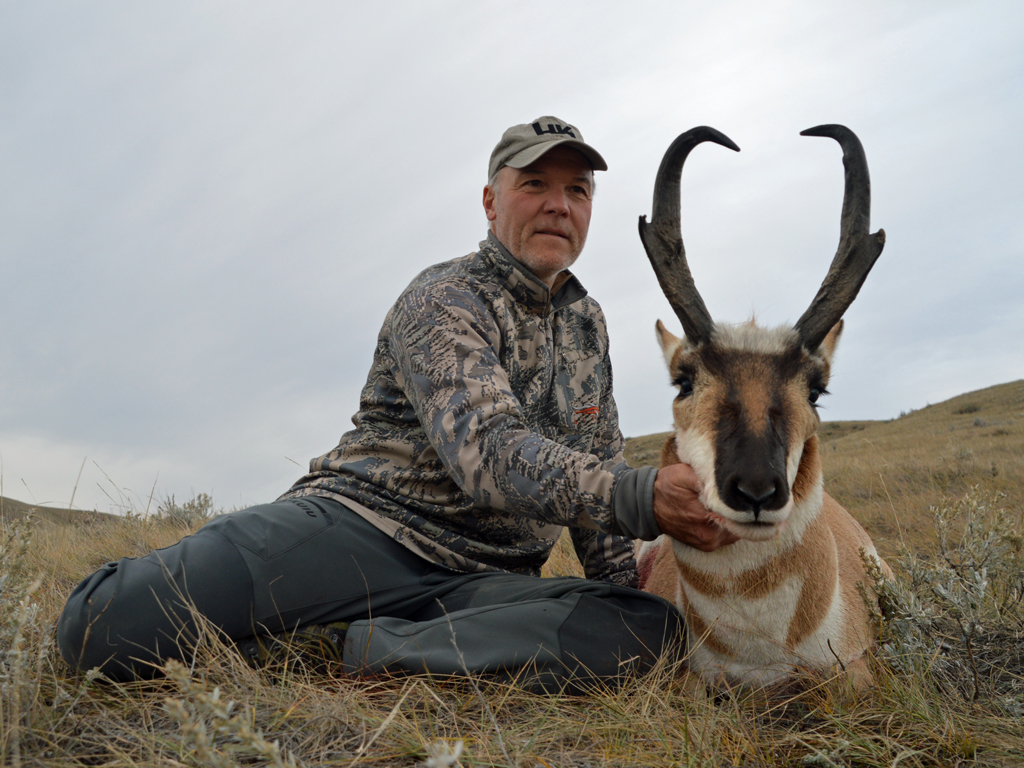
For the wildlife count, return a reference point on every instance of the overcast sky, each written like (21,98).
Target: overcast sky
(206,209)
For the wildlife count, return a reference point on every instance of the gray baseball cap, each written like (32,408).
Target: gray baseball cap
(522,144)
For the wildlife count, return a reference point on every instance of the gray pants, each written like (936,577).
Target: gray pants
(275,567)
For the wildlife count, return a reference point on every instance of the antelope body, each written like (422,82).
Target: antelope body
(786,594)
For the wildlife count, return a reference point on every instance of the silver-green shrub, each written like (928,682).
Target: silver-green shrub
(194,511)
(956,617)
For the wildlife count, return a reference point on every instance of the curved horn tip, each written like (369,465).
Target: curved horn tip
(701,133)
(847,139)
(707,133)
(828,129)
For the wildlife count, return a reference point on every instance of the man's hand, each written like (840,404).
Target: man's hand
(679,513)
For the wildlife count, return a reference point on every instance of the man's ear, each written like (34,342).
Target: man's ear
(489,207)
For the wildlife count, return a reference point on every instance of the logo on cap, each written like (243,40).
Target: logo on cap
(558,130)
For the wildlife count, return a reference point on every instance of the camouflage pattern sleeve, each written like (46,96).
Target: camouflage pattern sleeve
(609,444)
(607,557)
(446,352)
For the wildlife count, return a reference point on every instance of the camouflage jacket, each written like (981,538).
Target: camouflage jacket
(487,424)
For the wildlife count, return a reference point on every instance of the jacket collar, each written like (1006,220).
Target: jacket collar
(525,287)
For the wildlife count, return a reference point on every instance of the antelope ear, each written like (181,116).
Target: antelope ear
(831,341)
(669,343)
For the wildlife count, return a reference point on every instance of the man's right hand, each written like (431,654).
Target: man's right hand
(679,513)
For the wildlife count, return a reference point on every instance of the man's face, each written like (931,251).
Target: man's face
(541,213)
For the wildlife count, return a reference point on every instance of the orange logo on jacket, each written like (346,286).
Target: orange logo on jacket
(590,412)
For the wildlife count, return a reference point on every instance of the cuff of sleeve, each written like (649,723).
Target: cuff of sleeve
(633,503)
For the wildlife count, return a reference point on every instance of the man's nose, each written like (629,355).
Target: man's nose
(557,201)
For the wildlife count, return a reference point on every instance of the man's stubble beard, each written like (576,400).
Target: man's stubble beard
(538,262)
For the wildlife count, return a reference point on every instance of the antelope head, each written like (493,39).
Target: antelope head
(745,416)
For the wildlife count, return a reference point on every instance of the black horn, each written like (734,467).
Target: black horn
(857,251)
(663,239)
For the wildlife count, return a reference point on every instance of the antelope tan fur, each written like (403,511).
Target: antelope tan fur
(785,595)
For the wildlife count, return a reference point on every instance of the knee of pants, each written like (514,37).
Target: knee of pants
(74,621)
(129,617)
(104,624)
(608,637)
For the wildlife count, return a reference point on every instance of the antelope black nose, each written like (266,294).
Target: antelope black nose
(757,495)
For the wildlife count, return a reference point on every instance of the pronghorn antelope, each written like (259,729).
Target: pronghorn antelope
(785,595)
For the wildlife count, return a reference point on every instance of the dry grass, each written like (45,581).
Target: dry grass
(888,474)
(949,689)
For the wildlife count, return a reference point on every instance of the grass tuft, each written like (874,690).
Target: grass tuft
(213,731)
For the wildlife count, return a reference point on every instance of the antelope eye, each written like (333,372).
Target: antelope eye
(815,393)
(685,385)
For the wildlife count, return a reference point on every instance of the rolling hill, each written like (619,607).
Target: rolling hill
(11,509)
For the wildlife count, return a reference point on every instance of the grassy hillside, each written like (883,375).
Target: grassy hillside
(888,474)
(11,509)
(949,675)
